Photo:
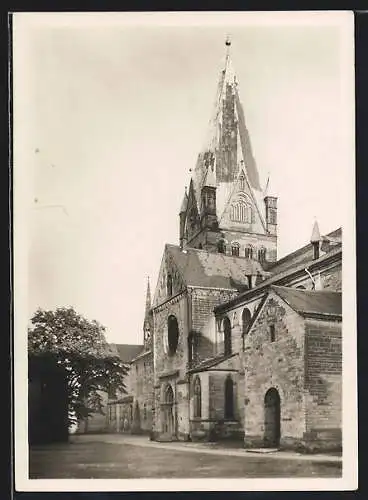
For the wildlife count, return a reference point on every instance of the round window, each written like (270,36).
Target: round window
(172,334)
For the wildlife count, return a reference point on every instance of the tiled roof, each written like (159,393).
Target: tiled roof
(303,254)
(281,278)
(311,302)
(215,270)
(211,362)
(127,352)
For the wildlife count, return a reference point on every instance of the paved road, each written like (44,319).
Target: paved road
(118,457)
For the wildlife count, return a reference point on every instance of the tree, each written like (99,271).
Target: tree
(79,346)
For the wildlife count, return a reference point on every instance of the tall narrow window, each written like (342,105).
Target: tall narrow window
(262,254)
(144,411)
(248,252)
(172,334)
(197,398)
(242,182)
(227,337)
(235,249)
(229,398)
(272,333)
(246,317)
(169,285)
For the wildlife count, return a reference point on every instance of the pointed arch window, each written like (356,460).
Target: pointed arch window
(197,398)
(229,398)
(241,211)
(227,336)
(235,247)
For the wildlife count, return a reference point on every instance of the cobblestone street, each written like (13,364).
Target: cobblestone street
(123,457)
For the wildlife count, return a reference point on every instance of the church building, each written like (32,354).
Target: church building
(245,346)
(237,344)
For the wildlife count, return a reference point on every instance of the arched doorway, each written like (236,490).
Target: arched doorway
(272,418)
(168,417)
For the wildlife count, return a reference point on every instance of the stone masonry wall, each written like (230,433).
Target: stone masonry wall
(323,383)
(142,389)
(203,301)
(171,368)
(279,365)
(163,362)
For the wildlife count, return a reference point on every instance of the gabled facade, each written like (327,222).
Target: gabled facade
(240,345)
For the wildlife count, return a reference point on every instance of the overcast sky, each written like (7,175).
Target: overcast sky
(110,116)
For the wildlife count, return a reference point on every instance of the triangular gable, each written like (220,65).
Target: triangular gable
(168,265)
(242,190)
(271,293)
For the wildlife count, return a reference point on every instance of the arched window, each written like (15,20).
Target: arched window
(229,398)
(221,246)
(241,212)
(169,285)
(172,334)
(197,398)
(235,248)
(200,246)
(248,252)
(242,182)
(246,317)
(169,395)
(262,254)
(227,336)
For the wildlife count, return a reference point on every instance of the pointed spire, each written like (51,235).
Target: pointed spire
(184,203)
(148,299)
(316,236)
(228,72)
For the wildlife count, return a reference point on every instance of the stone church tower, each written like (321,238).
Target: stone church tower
(225,209)
(228,234)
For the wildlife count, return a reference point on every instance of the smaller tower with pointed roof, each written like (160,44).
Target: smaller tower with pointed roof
(148,320)
(315,240)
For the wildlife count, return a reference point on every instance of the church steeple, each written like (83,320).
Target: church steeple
(227,195)
(147,325)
